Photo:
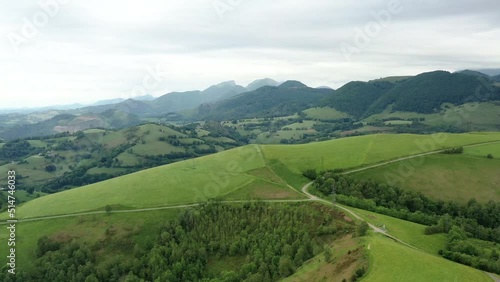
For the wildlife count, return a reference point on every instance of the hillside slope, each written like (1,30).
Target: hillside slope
(220,174)
(268,101)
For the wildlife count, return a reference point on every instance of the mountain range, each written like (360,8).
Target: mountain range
(426,93)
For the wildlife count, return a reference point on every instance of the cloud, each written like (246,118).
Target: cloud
(90,50)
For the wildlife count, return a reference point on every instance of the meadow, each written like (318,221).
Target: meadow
(447,177)
(391,261)
(353,152)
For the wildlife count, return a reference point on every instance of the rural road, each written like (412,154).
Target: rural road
(375,228)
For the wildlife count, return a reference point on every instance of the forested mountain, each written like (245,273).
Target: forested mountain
(356,97)
(171,102)
(269,101)
(426,92)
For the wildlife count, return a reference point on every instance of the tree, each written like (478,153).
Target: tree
(285,267)
(51,168)
(328,253)
(490,156)
(310,173)
(108,209)
(30,190)
(362,228)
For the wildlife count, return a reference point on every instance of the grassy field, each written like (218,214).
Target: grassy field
(409,232)
(357,151)
(325,113)
(482,151)
(445,177)
(392,261)
(471,116)
(216,176)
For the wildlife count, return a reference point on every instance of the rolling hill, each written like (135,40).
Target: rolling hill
(356,97)
(225,172)
(268,101)
(425,93)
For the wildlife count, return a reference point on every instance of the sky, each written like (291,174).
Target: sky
(55,52)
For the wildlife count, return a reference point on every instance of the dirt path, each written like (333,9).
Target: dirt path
(373,227)
(413,157)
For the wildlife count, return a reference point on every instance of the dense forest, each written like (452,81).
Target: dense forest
(425,93)
(271,242)
(356,97)
(474,220)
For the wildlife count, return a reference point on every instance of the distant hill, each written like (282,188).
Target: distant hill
(144,98)
(425,93)
(268,101)
(261,83)
(356,97)
(490,72)
(108,102)
(168,103)
(111,118)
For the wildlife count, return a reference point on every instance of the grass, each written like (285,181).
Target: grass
(325,113)
(220,174)
(156,148)
(398,122)
(444,177)
(260,189)
(392,261)
(357,151)
(216,176)
(484,150)
(470,116)
(409,232)
(108,170)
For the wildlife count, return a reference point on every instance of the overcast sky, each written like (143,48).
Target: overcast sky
(75,51)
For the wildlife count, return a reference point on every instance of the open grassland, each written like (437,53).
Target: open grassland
(392,261)
(179,183)
(325,113)
(444,177)
(362,150)
(409,232)
(470,116)
(156,148)
(484,150)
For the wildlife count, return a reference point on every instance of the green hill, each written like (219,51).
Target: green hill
(220,174)
(426,92)
(94,155)
(356,97)
(286,99)
(447,177)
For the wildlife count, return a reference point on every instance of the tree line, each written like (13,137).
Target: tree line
(474,219)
